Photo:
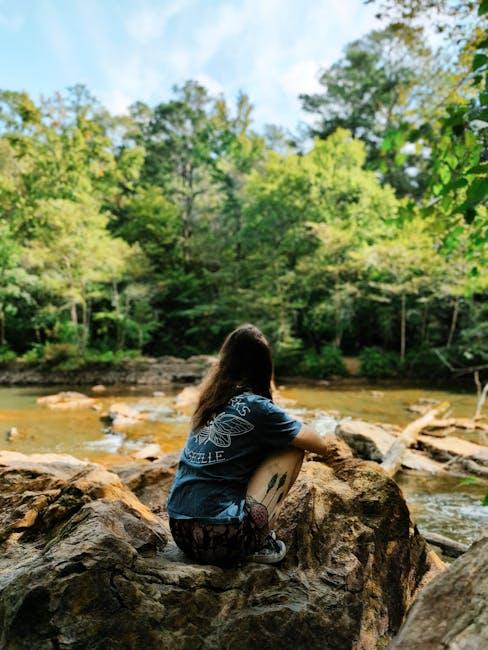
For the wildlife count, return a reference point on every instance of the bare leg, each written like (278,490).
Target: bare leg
(271,482)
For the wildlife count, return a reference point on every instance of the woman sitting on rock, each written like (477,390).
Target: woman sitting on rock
(240,460)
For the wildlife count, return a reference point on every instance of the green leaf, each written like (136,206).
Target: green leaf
(479,60)
(484,500)
(483,8)
(477,191)
(389,141)
(400,158)
(445,174)
(469,215)
(469,480)
(478,169)
(482,115)
(458,184)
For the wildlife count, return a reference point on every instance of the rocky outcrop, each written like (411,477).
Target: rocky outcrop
(372,442)
(452,612)
(84,563)
(161,370)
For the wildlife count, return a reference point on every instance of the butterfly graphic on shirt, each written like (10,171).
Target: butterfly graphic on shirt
(221,429)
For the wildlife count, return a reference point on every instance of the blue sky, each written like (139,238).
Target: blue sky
(125,50)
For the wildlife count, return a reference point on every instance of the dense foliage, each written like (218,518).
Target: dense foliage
(156,232)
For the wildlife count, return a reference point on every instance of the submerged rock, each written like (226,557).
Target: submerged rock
(66,400)
(151,451)
(187,399)
(98,388)
(452,612)
(11,434)
(122,415)
(422,405)
(84,564)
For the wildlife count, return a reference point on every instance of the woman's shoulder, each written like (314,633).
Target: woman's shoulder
(249,403)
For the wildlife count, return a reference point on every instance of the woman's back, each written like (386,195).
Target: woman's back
(220,457)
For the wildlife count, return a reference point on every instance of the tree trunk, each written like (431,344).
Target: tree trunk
(116,304)
(85,320)
(454,319)
(425,319)
(338,326)
(482,392)
(393,457)
(74,320)
(403,327)
(3,340)
(74,314)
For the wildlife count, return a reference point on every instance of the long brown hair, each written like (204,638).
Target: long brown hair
(244,363)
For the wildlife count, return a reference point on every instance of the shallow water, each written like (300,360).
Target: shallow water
(444,505)
(441,505)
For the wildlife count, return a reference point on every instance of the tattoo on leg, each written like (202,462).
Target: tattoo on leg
(271,483)
(277,487)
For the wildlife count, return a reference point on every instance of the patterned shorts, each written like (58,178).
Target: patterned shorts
(222,544)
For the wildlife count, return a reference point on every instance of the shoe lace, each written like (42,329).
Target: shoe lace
(272,543)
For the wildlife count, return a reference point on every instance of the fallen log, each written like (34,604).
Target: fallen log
(475,468)
(393,457)
(448,546)
(459,423)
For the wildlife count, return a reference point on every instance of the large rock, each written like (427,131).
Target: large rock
(450,447)
(452,612)
(120,415)
(372,442)
(84,564)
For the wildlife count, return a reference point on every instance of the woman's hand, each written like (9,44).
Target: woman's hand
(309,440)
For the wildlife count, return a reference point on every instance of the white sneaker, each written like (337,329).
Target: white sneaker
(272,551)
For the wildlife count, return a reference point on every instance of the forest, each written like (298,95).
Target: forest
(362,234)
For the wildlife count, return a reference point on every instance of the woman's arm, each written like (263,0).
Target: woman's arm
(309,440)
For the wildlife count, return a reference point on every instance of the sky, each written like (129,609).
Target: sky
(127,50)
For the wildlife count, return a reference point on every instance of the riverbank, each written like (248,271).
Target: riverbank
(167,370)
(143,371)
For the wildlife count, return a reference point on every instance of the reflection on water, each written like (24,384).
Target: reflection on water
(440,505)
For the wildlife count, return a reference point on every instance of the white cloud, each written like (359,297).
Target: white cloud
(271,49)
(302,77)
(212,85)
(129,80)
(148,22)
(117,101)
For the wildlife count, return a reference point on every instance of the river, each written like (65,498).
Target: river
(443,505)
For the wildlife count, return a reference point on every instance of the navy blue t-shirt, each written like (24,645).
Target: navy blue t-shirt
(219,458)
